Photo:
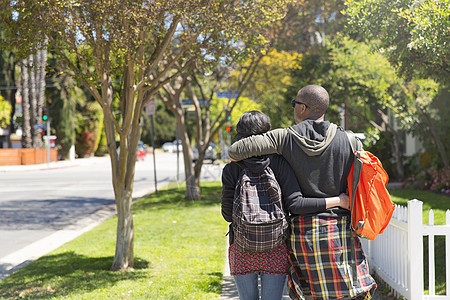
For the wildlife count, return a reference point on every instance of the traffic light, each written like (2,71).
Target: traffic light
(44,114)
(229,128)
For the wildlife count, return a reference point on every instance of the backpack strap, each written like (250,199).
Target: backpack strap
(356,146)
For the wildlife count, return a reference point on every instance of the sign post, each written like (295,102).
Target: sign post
(150,110)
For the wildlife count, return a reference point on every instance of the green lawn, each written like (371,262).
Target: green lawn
(439,204)
(179,252)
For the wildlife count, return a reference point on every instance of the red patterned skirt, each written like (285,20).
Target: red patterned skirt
(273,261)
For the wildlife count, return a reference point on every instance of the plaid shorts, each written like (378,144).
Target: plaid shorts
(321,260)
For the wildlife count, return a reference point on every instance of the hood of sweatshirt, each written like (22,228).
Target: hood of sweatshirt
(256,164)
(313,136)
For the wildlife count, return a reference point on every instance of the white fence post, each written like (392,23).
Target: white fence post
(447,255)
(431,262)
(415,250)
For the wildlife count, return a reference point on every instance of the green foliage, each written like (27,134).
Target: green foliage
(269,86)
(413,35)
(309,23)
(437,110)
(363,78)
(102,147)
(164,126)
(7,78)
(244,104)
(179,247)
(315,67)
(5,112)
(351,74)
(61,103)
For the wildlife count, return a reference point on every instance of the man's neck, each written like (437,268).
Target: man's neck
(318,119)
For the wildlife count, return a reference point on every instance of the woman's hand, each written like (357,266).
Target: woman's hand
(344,201)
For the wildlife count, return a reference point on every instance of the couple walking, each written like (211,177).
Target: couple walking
(310,161)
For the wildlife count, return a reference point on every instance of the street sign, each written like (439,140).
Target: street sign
(150,107)
(227,94)
(36,126)
(187,102)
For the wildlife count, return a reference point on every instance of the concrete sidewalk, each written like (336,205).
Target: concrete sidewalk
(49,166)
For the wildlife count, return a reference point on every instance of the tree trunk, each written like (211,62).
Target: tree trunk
(26,116)
(192,185)
(124,256)
(36,133)
(41,61)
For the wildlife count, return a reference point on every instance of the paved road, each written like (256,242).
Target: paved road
(44,206)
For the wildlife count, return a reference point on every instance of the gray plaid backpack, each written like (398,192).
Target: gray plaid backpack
(259,222)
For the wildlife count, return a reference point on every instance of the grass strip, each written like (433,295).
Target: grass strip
(179,254)
(439,203)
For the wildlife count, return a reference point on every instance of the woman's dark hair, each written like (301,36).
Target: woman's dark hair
(250,123)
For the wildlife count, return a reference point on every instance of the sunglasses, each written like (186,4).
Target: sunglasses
(298,102)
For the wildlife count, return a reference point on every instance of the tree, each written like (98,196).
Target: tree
(8,83)
(268,86)
(137,43)
(33,94)
(205,126)
(363,84)
(5,113)
(414,35)
(217,111)
(309,23)
(62,96)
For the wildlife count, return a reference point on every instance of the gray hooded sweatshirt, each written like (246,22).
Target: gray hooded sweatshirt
(319,152)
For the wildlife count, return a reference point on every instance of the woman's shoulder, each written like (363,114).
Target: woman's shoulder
(232,168)
(277,160)
(280,166)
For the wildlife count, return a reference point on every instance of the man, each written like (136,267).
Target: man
(323,251)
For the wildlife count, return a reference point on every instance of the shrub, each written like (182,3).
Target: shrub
(430,179)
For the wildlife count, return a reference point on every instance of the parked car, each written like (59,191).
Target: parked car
(172,146)
(141,151)
(210,153)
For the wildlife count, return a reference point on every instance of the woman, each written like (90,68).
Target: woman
(271,266)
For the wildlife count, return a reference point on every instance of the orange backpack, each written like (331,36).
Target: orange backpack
(370,202)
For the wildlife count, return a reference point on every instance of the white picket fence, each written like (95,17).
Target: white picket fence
(397,255)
